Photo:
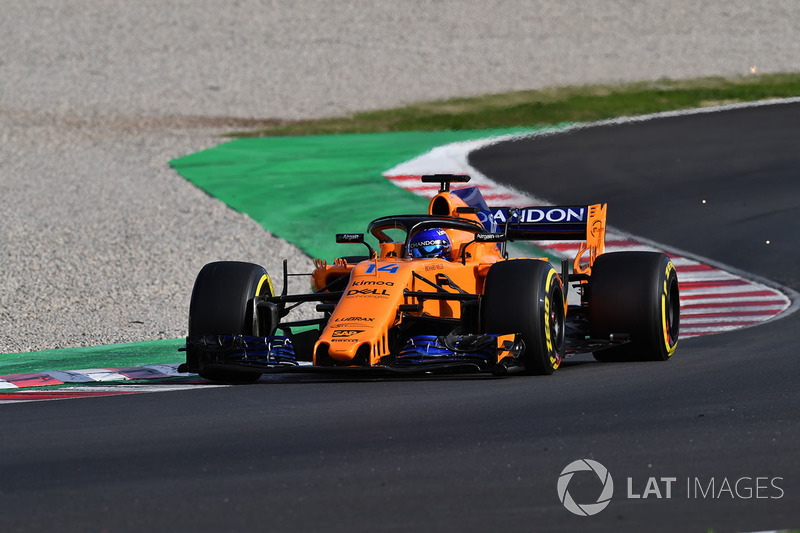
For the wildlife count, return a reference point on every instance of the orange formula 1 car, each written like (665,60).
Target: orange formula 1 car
(441,293)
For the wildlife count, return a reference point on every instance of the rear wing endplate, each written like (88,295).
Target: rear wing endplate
(585,223)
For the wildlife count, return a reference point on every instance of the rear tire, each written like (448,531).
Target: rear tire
(221,304)
(525,296)
(635,293)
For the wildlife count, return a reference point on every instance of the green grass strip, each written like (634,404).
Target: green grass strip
(549,106)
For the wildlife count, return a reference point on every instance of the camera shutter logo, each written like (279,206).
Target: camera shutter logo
(586,509)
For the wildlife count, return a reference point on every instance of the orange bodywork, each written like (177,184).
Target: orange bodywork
(371,302)
(595,242)
(358,328)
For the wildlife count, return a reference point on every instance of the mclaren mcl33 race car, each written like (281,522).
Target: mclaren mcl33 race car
(441,293)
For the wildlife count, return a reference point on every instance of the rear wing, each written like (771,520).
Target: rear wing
(585,223)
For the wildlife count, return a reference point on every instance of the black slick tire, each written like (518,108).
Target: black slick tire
(525,296)
(221,304)
(635,294)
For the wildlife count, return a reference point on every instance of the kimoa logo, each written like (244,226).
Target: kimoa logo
(586,509)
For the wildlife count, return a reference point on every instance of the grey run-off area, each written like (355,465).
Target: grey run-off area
(101,240)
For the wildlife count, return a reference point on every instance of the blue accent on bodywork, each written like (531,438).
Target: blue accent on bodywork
(421,349)
(472,197)
(276,351)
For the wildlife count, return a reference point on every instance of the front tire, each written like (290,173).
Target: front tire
(221,304)
(635,293)
(525,296)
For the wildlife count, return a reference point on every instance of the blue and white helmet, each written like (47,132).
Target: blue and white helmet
(430,243)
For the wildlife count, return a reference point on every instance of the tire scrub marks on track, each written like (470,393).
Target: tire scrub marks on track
(713,300)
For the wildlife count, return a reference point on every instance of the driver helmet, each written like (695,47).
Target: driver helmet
(430,243)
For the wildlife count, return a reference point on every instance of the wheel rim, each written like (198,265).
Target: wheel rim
(673,312)
(557,323)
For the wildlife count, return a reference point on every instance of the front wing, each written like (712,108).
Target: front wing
(421,353)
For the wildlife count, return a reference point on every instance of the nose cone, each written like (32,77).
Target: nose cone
(356,332)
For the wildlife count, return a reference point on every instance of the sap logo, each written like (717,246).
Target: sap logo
(372,292)
(346,333)
(390,268)
(545,214)
(355,319)
(387,283)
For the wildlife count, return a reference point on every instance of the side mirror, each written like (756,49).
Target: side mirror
(354,238)
(480,237)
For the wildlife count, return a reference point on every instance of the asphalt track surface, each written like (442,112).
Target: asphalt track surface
(306,453)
